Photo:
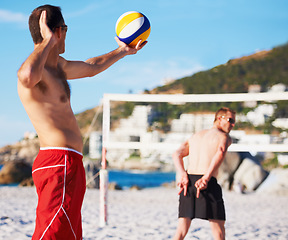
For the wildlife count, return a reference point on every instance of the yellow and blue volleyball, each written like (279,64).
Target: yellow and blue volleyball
(131,27)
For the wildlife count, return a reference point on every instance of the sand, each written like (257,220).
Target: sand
(150,214)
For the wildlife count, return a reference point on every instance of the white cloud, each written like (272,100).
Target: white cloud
(12,17)
(82,11)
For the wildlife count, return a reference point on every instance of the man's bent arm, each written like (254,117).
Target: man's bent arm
(218,158)
(31,71)
(183,151)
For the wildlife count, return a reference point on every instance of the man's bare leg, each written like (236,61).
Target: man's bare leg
(182,229)
(218,229)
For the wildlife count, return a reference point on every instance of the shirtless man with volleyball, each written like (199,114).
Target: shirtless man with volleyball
(200,194)
(58,171)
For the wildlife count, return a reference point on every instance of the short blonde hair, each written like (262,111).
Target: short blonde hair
(222,112)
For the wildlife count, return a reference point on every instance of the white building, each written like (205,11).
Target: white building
(132,129)
(255,139)
(255,88)
(280,87)
(281,123)
(95,145)
(136,124)
(191,123)
(260,114)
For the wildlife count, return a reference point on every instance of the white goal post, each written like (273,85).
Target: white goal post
(177,99)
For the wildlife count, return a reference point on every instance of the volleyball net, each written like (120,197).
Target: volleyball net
(147,104)
(152,126)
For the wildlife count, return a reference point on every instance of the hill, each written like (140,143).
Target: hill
(265,68)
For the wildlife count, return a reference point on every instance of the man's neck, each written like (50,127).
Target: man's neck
(52,58)
(217,127)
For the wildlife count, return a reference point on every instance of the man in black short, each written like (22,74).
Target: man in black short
(209,205)
(200,194)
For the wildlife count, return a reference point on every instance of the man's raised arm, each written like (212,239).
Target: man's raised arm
(31,71)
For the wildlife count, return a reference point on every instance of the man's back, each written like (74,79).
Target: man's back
(202,147)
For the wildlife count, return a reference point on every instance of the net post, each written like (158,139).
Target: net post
(103,188)
(103,197)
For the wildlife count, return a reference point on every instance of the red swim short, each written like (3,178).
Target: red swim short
(59,177)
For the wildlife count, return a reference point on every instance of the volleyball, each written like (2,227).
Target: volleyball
(131,27)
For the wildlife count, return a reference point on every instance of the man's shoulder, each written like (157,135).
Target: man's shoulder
(215,134)
(200,135)
(62,61)
(203,132)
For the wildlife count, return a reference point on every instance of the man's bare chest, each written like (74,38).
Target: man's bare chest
(54,84)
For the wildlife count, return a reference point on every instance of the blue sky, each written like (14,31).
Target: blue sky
(186,36)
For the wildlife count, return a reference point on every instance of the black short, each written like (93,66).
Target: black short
(209,205)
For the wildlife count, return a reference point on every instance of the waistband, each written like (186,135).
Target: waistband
(60,148)
(198,176)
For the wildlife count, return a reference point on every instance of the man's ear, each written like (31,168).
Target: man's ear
(58,32)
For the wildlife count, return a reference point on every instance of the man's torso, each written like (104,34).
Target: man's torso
(48,107)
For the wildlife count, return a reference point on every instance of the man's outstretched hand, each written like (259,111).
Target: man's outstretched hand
(128,49)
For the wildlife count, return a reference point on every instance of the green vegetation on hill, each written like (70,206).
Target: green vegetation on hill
(265,68)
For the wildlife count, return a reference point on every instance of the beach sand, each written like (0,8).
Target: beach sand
(150,214)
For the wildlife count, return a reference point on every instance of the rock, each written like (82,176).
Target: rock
(169,184)
(227,169)
(28,152)
(275,183)
(25,150)
(135,187)
(250,175)
(114,186)
(28,182)
(15,172)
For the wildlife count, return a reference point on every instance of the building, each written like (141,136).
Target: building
(95,145)
(191,123)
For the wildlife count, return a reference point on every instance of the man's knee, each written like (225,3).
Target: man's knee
(218,229)
(219,235)
(182,229)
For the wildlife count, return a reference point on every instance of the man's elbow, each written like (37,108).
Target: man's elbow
(25,78)
(176,156)
(221,154)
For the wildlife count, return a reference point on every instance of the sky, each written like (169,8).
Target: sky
(186,36)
